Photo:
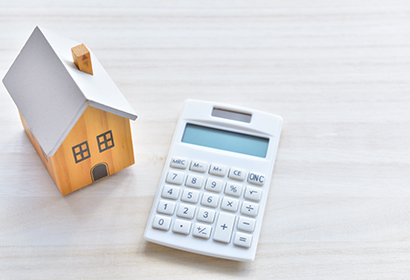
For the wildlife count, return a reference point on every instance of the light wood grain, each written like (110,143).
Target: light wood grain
(338,74)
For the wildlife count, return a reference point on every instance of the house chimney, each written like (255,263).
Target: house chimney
(82,58)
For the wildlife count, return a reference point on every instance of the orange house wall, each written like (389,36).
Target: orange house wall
(69,175)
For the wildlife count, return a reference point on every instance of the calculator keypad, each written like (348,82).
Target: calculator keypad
(210,201)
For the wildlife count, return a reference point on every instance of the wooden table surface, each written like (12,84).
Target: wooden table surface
(338,72)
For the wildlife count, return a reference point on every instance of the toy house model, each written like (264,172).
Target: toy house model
(78,123)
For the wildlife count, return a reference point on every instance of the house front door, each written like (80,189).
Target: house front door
(99,171)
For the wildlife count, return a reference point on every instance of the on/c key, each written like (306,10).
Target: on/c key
(224,227)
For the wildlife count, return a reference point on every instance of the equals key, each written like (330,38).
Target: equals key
(243,240)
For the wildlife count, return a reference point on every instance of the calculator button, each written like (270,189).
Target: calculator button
(194,181)
(210,200)
(166,207)
(230,204)
(190,196)
(186,211)
(179,162)
(175,177)
(202,231)
(246,224)
(249,209)
(237,174)
(217,169)
(233,189)
(182,227)
(224,227)
(170,192)
(213,185)
(161,222)
(256,178)
(242,239)
(252,193)
(206,215)
(198,166)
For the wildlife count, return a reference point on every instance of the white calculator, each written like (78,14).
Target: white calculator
(213,190)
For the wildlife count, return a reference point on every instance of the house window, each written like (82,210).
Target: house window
(81,152)
(105,141)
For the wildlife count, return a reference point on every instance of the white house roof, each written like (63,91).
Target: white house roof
(51,93)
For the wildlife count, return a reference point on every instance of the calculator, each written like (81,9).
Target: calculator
(213,190)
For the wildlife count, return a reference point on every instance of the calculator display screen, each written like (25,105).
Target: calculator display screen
(225,140)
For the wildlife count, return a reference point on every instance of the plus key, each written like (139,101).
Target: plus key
(224,227)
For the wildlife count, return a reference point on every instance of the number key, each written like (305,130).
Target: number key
(206,215)
(186,211)
(166,207)
(175,177)
(209,199)
(190,196)
(194,181)
(170,192)
(161,222)
(213,185)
